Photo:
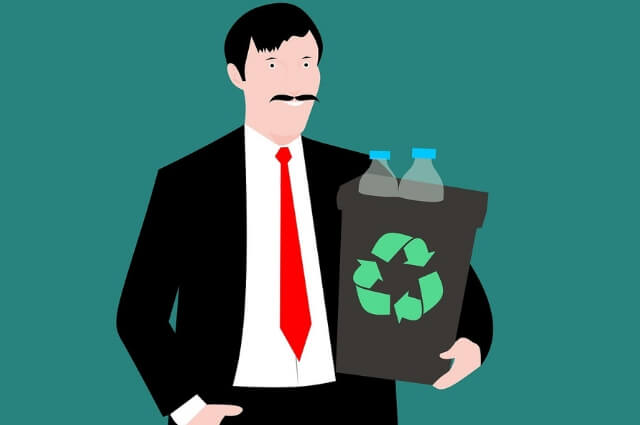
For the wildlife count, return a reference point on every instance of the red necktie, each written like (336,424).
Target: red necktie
(295,319)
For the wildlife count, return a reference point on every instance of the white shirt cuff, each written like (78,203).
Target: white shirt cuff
(185,413)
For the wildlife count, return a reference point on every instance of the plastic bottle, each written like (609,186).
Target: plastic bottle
(422,182)
(379,179)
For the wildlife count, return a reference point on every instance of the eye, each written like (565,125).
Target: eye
(306,64)
(272,65)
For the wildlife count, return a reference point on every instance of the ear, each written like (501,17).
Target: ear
(234,76)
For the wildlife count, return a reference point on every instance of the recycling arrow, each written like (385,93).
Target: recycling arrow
(408,308)
(373,302)
(388,245)
(431,290)
(417,253)
(368,273)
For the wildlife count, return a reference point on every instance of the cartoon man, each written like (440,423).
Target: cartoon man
(247,229)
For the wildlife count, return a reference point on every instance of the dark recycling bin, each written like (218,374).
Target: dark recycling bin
(403,271)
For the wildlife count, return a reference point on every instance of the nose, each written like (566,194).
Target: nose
(296,81)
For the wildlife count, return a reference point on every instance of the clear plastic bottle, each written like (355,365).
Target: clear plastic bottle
(379,179)
(422,182)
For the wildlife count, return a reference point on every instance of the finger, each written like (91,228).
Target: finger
(455,348)
(230,410)
(449,354)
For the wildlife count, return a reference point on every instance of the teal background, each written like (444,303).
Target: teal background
(535,102)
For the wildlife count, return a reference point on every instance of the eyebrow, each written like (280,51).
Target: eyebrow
(306,57)
(270,58)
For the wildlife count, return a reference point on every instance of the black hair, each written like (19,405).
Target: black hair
(269,26)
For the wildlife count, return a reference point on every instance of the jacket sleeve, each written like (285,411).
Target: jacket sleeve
(147,298)
(476,322)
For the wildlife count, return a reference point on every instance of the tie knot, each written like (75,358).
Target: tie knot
(283,155)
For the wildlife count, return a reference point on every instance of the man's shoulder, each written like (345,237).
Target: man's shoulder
(335,154)
(204,157)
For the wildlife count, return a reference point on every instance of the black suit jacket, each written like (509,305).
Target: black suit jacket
(193,238)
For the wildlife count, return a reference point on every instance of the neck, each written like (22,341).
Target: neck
(280,139)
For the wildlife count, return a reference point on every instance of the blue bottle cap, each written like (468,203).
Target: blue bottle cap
(428,153)
(379,154)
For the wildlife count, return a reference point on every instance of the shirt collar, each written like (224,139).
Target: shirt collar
(264,146)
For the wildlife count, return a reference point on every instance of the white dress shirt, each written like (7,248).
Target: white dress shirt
(266,359)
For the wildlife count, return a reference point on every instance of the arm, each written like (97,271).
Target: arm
(147,298)
(476,321)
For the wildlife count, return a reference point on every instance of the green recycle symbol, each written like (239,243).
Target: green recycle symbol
(368,273)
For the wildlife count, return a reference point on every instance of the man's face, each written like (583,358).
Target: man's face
(271,76)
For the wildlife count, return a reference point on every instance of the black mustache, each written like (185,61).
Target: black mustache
(286,97)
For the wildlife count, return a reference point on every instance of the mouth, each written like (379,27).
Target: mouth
(293,102)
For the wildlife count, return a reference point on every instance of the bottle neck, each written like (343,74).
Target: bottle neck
(382,162)
(380,166)
(424,161)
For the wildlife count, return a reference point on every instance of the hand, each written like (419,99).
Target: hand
(212,414)
(467,359)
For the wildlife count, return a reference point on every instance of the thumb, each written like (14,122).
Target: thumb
(231,410)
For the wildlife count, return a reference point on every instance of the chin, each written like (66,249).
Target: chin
(289,127)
